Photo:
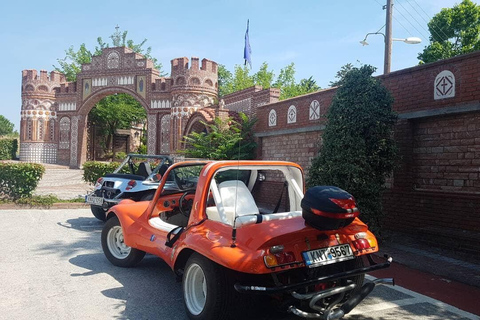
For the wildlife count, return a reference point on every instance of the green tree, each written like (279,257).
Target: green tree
(340,76)
(6,127)
(72,63)
(224,140)
(241,79)
(225,81)
(114,112)
(358,150)
(453,31)
(264,77)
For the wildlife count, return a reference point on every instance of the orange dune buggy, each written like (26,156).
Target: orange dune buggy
(233,229)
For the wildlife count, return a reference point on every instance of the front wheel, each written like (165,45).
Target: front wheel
(114,247)
(98,212)
(206,292)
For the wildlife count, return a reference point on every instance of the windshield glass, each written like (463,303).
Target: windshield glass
(185,177)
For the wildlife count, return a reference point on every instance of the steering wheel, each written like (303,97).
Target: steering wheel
(185,204)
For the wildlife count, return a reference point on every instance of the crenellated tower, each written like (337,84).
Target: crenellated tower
(38,124)
(54,124)
(192,88)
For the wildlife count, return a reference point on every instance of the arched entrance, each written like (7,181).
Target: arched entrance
(168,101)
(119,141)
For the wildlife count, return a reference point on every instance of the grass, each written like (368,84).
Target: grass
(41,201)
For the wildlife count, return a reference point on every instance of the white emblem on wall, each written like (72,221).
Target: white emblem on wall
(292,114)
(113,60)
(314,111)
(444,85)
(272,118)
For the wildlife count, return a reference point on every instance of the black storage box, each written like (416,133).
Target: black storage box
(328,208)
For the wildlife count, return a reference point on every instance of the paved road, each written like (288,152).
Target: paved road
(53,267)
(63,182)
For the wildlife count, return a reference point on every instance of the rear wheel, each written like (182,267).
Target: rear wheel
(358,280)
(114,247)
(206,292)
(98,212)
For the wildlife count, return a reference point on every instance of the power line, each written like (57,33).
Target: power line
(400,12)
(421,25)
(435,27)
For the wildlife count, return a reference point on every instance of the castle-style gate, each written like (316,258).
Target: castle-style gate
(54,113)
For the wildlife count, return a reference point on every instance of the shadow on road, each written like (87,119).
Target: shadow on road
(148,291)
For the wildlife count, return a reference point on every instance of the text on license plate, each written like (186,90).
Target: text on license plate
(94,200)
(327,255)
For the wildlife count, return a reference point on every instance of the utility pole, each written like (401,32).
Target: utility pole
(388,38)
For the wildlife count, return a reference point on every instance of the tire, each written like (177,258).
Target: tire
(115,249)
(207,293)
(358,280)
(98,212)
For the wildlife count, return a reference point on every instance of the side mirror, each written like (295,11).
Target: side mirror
(157,177)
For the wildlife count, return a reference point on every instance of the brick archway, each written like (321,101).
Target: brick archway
(48,100)
(87,106)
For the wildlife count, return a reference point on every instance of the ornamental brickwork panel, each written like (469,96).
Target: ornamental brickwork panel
(55,112)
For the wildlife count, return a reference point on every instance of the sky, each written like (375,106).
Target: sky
(318,36)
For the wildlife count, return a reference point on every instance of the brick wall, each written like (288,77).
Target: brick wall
(435,192)
(299,148)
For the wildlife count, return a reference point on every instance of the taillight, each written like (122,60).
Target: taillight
(361,241)
(361,244)
(285,257)
(99,182)
(131,184)
(279,258)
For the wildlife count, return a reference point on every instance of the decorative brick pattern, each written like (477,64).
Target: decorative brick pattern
(38,152)
(152,133)
(74,141)
(116,70)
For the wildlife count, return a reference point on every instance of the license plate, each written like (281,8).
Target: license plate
(97,201)
(323,256)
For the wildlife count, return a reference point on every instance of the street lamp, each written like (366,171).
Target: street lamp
(388,38)
(409,40)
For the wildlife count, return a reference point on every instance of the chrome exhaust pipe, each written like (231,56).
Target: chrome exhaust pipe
(303,314)
(384,281)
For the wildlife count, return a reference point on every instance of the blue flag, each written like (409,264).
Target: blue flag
(247,52)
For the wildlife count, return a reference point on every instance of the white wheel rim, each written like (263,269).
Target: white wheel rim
(195,289)
(116,244)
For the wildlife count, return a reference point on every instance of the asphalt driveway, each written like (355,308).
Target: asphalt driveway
(52,267)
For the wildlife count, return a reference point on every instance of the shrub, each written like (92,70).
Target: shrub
(19,180)
(142,149)
(120,156)
(358,150)
(92,170)
(8,148)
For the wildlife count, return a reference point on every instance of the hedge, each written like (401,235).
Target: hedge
(19,180)
(8,148)
(92,170)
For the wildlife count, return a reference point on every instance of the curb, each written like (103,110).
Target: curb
(61,205)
